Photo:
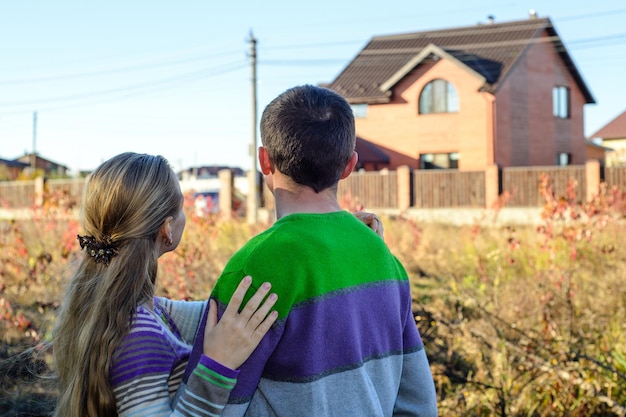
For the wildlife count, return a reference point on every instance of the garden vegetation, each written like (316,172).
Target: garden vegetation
(518,320)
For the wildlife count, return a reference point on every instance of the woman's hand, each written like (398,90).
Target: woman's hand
(233,339)
(371,220)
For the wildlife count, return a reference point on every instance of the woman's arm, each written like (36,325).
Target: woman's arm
(186,315)
(151,360)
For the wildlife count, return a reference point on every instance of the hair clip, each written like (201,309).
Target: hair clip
(99,251)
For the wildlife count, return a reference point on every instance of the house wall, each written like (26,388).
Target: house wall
(398,127)
(618,156)
(527,132)
(8,172)
(596,153)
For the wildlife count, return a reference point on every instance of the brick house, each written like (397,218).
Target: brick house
(613,136)
(48,167)
(11,170)
(494,94)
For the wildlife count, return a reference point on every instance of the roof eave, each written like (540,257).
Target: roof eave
(420,57)
(368,100)
(571,66)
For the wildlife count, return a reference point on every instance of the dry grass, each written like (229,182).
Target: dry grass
(525,321)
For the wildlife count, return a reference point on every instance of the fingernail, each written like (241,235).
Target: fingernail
(273,296)
(247,280)
(267,285)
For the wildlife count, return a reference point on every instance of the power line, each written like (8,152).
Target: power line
(591,15)
(147,88)
(133,90)
(302,62)
(109,71)
(101,72)
(133,68)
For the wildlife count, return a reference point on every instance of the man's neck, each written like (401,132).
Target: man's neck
(305,200)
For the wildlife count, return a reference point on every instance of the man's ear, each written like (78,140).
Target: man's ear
(350,166)
(264,161)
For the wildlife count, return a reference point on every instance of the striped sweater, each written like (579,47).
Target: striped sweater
(147,368)
(345,343)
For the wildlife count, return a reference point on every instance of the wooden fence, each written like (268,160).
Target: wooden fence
(367,188)
(401,189)
(448,188)
(524,183)
(17,194)
(615,177)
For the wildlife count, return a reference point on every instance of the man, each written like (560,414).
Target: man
(345,342)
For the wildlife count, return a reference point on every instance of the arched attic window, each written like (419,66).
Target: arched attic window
(438,96)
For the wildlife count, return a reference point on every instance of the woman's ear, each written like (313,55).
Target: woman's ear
(165,232)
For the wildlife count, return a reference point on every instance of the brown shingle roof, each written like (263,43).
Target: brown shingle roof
(615,129)
(489,50)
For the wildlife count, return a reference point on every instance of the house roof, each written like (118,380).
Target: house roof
(370,153)
(26,158)
(489,51)
(13,163)
(615,129)
(593,144)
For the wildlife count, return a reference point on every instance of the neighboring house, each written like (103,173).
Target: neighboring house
(505,94)
(207,171)
(11,170)
(47,166)
(598,152)
(613,136)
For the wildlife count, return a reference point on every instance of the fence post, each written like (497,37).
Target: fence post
(226,193)
(403,174)
(39,191)
(592,177)
(491,185)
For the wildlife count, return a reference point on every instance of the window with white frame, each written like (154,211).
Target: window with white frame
(561,102)
(439,160)
(563,159)
(438,96)
(359,110)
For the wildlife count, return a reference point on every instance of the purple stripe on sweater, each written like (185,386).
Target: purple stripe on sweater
(146,350)
(334,333)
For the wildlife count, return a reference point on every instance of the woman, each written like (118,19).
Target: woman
(118,349)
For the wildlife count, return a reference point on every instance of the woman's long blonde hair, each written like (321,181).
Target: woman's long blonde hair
(126,200)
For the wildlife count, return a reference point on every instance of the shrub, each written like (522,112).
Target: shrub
(517,320)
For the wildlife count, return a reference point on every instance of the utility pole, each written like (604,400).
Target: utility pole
(33,155)
(253,191)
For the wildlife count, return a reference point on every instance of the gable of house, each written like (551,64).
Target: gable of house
(489,50)
(614,130)
(613,136)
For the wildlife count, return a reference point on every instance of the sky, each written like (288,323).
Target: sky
(83,81)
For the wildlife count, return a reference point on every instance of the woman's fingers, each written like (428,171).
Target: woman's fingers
(235,301)
(235,336)
(253,313)
(254,302)
(212,315)
(262,319)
